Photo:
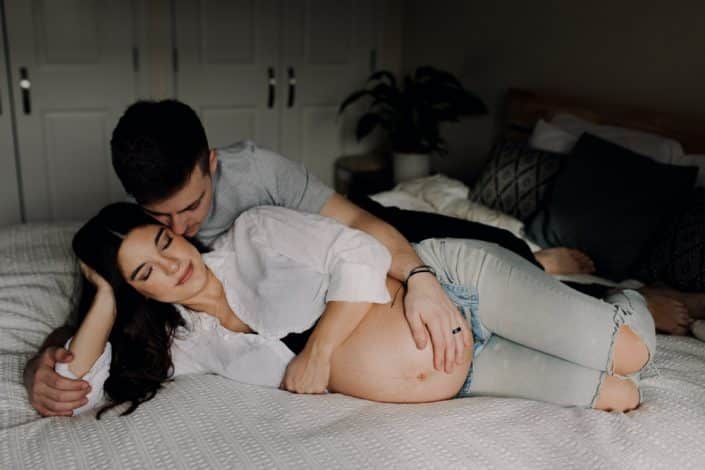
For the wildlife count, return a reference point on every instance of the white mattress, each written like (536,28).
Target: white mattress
(210,422)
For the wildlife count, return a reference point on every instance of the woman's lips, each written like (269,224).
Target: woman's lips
(187,274)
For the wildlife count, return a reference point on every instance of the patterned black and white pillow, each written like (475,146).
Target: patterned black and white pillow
(677,254)
(516,178)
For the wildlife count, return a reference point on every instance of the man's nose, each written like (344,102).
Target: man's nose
(178,224)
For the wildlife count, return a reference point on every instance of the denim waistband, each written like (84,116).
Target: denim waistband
(467,300)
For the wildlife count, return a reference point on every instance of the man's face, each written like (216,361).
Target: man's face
(185,210)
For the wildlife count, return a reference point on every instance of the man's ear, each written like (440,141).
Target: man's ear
(212,161)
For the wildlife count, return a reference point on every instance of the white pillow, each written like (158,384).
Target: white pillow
(550,138)
(659,148)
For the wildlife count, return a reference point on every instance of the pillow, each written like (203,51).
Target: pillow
(515,179)
(656,147)
(608,201)
(677,254)
(550,138)
(561,134)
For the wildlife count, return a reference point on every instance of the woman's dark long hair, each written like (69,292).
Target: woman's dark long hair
(144,329)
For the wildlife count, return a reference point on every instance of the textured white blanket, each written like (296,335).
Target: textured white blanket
(210,422)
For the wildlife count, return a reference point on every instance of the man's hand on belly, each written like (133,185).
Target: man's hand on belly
(429,311)
(309,372)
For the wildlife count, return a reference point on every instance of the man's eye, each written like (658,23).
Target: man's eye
(194,206)
(146,275)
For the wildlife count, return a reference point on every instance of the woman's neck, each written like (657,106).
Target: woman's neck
(212,300)
(209,299)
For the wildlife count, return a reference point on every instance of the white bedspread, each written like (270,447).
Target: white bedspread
(209,422)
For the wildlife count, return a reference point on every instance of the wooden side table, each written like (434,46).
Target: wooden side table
(363,174)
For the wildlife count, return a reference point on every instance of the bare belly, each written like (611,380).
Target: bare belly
(380,361)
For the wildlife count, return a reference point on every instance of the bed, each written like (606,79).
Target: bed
(211,422)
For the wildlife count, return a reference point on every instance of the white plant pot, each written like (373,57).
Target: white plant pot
(408,166)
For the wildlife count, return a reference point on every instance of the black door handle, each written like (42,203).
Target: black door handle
(25,86)
(271,85)
(292,87)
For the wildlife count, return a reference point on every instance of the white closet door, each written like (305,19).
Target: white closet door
(226,50)
(9,194)
(325,48)
(74,58)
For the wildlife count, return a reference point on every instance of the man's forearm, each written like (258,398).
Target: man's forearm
(56,338)
(404,258)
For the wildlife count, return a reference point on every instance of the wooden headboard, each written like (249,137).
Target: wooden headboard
(523,108)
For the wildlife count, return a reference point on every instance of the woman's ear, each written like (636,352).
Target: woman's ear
(212,161)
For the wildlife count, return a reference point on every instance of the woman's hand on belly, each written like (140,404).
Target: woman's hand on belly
(308,372)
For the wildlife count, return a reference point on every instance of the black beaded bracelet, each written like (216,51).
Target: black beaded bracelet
(424,268)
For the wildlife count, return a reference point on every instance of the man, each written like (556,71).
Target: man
(161,155)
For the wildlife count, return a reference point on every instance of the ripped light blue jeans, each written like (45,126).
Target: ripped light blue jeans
(540,339)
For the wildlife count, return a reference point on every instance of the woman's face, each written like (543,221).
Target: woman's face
(161,265)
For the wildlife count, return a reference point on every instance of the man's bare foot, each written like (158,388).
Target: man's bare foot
(694,301)
(670,315)
(563,260)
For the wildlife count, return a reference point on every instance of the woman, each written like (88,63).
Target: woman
(324,312)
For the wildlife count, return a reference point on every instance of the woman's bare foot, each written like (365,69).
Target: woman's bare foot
(670,315)
(694,301)
(563,260)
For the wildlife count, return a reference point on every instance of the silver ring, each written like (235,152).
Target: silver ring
(456,330)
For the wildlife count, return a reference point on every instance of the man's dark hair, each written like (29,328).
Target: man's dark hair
(156,146)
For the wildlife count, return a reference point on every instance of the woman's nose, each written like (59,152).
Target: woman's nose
(171,265)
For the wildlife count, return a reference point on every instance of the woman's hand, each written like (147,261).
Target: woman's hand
(308,372)
(94,278)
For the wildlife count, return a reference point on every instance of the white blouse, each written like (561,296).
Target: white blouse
(278,268)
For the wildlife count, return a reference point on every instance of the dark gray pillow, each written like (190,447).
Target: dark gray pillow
(609,202)
(677,254)
(515,179)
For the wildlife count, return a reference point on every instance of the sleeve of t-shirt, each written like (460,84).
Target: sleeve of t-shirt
(290,183)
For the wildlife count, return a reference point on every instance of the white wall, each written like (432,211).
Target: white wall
(645,53)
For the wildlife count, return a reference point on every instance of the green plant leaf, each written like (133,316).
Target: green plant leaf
(379,75)
(366,124)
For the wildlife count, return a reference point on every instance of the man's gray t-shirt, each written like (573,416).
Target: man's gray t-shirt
(248,176)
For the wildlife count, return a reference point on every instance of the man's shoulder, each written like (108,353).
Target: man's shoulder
(237,150)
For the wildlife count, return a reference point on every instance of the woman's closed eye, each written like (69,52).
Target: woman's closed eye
(167,239)
(147,273)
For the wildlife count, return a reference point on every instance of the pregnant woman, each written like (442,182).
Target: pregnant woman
(298,301)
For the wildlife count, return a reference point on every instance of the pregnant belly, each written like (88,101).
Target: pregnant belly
(380,361)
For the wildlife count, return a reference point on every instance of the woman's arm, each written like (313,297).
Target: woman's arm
(309,372)
(89,342)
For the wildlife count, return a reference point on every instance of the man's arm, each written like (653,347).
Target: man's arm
(426,305)
(49,393)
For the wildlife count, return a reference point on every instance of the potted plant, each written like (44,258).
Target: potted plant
(411,112)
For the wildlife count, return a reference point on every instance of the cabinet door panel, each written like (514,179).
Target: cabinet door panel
(76,58)
(327,44)
(225,52)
